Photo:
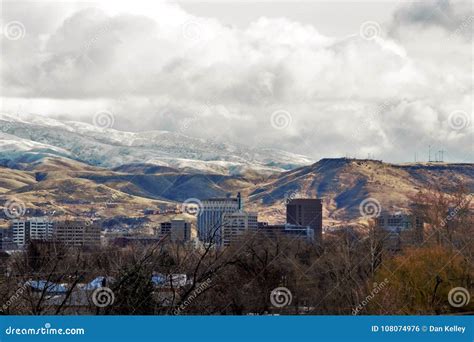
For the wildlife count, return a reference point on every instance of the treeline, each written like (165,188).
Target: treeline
(352,273)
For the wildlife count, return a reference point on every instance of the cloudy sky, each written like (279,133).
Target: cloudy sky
(320,78)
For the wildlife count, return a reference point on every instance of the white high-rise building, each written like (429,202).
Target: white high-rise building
(20,232)
(36,228)
(41,228)
(237,223)
(210,217)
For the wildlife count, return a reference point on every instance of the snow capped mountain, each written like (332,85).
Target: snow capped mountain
(37,137)
(17,150)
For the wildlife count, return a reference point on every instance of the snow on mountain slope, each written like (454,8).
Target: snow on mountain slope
(18,150)
(111,148)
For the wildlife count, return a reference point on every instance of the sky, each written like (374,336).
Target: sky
(385,79)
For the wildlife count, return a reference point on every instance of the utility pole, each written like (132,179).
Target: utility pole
(429,153)
(441,152)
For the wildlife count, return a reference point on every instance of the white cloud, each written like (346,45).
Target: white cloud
(156,65)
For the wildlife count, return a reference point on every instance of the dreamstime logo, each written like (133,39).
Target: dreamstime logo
(47,329)
(192,30)
(452,214)
(464,27)
(103,119)
(102,31)
(458,120)
(281,119)
(14,208)
(370,208)
(192,206)
(381,109)
(102,297)
(14,30)
(6,127)
(375,290)
(458,297)
(199,290)
(281,297)
(289,196)
(370,30)
(13,298)
(186,123)
(370,118)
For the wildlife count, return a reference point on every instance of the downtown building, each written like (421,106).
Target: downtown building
(291,231)
(306,212)
(6,240)
(210,218)
(176,231)
(25,230)
(76,233)
(398,230)
(70,233)
(236,224)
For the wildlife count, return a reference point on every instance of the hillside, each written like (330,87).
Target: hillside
(75,188)
(344,183)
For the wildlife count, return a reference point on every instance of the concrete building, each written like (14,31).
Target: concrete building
(287,230)
(3,235)
(41,228)
(6,240)
(176,230)
(210,217)
(20,232)
(306,212)
(165,229)
(77,233)
(36,228)
(399,230)
(235,224)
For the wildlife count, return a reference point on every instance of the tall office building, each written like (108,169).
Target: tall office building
(36,228)
(41,228)
(77,233)
(165,229)
(235,224)
(210,217)
(398,230)
(180,231)
(306,212)
(176,230)
(6,242)
(20,232)
(291,231)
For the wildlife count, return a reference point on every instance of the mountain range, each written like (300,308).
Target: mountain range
(77,169)
(28,138)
